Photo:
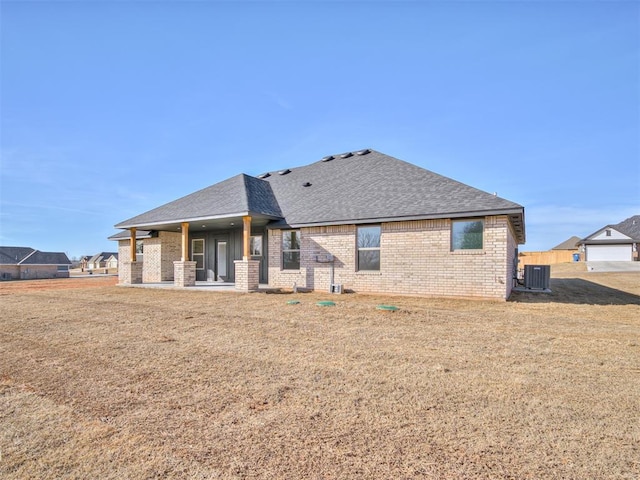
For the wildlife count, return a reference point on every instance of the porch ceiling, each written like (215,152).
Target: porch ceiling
(208,223)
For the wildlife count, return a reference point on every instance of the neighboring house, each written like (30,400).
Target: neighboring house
(362,221)
(614,243)
(571,244)
(83,263)
(28,263)
(103,260)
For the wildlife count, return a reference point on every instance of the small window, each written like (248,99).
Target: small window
(139,247)
(369,247)
(255,246)
(63,268)
(291,250)
(608,233)
(197,252)
(467,235)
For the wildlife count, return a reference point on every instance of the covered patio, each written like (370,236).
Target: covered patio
(212,238)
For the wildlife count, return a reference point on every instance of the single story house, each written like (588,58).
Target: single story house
(614,243)
(570,244)
(83,262)
(360,221)
(103,260)
(18,263)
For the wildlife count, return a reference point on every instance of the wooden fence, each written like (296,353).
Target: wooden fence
(549,257)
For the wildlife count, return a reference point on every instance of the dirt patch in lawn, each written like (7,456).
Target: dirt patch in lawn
(118,382)
(87,281)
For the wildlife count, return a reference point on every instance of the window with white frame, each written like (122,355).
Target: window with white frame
(255,246)
(291,250)
(467,235)
(368,243)
(139,250)
(197,252)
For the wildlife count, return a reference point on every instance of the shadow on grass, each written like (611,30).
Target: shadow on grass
(577,291)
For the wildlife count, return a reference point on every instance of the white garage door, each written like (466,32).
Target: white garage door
(608,253)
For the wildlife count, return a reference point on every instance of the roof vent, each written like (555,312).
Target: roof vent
(284,172)
(346,155)
(363,152)
(328,158)
(264,175)
(306,184)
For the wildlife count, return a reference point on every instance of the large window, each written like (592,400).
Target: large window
(291,250)
(197,252)
(467,235)
(369,247)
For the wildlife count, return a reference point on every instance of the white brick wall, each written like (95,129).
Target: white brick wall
(416,258)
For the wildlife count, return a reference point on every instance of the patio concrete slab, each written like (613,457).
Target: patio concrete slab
(199,286)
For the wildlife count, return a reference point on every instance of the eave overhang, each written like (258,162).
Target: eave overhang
(204,221)
(620,241)
(516,217)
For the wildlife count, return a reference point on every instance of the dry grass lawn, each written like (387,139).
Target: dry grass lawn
(99,381)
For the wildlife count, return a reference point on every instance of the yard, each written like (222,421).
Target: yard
(99,381)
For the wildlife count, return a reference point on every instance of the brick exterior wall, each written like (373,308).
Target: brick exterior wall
(247,275)
(124,256)
(416,258)
(130,272)
(158,256)
(184,274)
(31,272)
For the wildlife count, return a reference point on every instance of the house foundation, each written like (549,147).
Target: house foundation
(247,275)
(184,274)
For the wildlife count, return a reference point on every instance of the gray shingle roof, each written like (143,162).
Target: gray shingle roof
(102,256)
(630,227)
(375,186)
(234,196)
(357,187)
(126,234)
(569,244)
(47,258)
(31,256)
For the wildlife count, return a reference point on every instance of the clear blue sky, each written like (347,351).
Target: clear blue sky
(109,109)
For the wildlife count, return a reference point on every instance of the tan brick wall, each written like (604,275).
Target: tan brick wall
(124,256)
(247,275)
(130,272)
(159,254)
(416,258)
(184,273)
(157,260)
(31,272)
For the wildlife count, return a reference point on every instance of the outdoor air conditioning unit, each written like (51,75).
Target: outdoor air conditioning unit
(537,276)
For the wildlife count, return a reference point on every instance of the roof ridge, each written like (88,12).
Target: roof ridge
(25,258)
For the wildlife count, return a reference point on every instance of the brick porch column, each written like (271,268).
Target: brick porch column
(247,275)
(184,274)
(130,273)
